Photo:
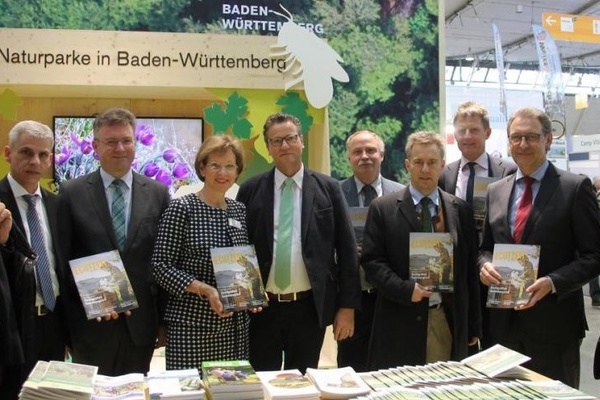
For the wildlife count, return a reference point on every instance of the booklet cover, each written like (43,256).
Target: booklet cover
(238,278)
(65,380)
(337,383)
(431,261)
(230,376)
(103,284)
(175,384)
(128,386)
(480,186)
(358,216)
(518,265)
(287,384)
(495,360)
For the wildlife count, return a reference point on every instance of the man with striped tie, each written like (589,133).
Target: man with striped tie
(36,291)
(113,208)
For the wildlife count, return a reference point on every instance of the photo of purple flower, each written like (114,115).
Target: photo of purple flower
(165,149)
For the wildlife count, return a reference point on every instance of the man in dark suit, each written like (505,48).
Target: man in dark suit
(40,315)
(543,205)
(305,245)
(116,345)
(471,130)
(413,325)
(11,350)
(365,152)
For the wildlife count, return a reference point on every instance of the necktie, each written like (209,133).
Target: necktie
(283,253)
(523,209)
(426,223)
(118,212)
(470,183)
(42,267)
(369,194)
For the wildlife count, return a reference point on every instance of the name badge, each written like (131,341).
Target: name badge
(235,223)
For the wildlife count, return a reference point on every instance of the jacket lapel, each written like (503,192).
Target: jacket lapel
(97,200)
(407,209)
(308,197)
(548,186)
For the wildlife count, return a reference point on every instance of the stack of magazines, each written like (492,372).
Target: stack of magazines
(338,383)
(287,384)
(231,380)
(128,386)
(184,384)
(59,380)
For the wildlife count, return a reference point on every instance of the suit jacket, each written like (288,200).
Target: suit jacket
(21,270)
(11,351)
(86,229)
(564,220)
(328,243)
(399,333)
(497,167)
(351,194)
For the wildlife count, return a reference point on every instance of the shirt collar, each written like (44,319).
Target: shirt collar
(297,177)
(482,161)
(108,178)
(375,185)
(538,174)
(18,190)
(417,196)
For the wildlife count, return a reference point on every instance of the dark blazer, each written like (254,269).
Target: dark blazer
(21,271)
(564,220)
(497,167)
(399,333)
(328,243)
(86,229)
(11,351)
(351,194)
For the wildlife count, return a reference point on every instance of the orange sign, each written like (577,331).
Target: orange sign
(573,28)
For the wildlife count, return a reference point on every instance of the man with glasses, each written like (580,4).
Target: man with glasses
(413,325)
(557,210)
(471,130)
(113,208)
(365,152)
(305,244)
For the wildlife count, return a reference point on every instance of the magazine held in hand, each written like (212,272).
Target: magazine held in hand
(517,264)
(431,262)
(103,284)
(238,278)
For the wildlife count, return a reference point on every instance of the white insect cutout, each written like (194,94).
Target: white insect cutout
(309,59)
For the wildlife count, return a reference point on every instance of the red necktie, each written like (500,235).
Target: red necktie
(523,210)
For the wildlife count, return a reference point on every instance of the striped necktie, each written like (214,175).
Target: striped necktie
(38,243)
(118,212)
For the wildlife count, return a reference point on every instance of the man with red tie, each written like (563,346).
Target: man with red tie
(543,205)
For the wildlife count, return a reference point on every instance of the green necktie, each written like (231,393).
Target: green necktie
(283,253)
(426,223)
(118,212)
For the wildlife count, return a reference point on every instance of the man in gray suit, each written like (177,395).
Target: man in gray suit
(557,210)
(365,152)
(471,130)
(116,345)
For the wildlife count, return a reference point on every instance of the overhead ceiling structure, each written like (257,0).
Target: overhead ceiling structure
(470,41)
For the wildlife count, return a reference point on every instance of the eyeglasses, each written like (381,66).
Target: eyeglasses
(213,166)
(277,142)
(529,138)
(113,143)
